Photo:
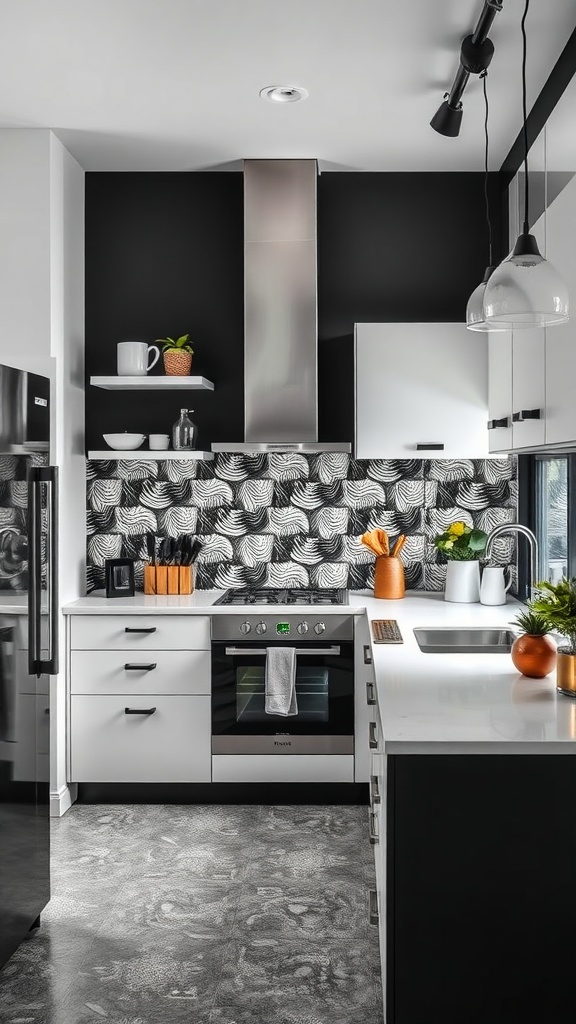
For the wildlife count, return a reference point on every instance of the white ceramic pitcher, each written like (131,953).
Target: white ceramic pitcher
(493,588)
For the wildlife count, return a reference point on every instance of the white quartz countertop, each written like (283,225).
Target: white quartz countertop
(429,703)
(200,602)
(462,703)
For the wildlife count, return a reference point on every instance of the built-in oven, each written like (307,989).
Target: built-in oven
(324,723)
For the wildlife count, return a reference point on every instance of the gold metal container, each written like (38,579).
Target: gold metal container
(566,674)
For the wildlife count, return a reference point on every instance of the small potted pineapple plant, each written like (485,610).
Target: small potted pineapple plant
(177,355)
(533,652)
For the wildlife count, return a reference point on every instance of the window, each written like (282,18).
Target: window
(547,491)
(551,509)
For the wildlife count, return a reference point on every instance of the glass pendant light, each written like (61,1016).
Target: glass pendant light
(525,290)
(475,319)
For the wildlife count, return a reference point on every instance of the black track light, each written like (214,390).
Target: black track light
(476,52)
(447,119)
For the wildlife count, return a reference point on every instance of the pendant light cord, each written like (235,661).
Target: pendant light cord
(484,76)
(526,227)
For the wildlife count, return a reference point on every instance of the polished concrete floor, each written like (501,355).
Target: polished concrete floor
(204,915)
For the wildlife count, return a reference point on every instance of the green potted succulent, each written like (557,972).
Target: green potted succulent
(463,546)
(177,354)
(556,603)
(533,651)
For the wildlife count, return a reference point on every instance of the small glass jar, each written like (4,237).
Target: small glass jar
(184,432)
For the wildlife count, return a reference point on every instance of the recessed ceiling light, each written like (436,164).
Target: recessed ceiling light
(283,93)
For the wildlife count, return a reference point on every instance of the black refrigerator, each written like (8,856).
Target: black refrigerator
(28,649)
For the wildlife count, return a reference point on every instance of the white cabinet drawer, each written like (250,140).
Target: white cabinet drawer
(140,632)
(140,672)
(170,745)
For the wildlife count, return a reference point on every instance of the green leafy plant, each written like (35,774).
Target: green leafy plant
(461,543)
(182,344)
(531,623)
(556,603)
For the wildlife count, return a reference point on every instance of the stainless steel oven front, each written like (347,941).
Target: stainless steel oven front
(324,684)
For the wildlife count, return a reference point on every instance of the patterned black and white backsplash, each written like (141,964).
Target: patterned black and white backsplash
(294,520)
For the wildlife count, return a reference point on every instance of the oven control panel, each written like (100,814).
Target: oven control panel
(278,627)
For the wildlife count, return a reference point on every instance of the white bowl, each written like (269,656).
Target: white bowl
(124,442)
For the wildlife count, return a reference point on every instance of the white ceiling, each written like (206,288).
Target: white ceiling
(173,84)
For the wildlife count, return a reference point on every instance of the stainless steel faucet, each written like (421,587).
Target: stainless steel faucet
(498,531)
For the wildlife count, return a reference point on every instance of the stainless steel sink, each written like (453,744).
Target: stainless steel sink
(467,640)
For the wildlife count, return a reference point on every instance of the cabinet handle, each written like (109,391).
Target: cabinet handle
(370,695)
(139,711)
(374,917)
(430,446)
(367,655)
(526,414)
(504,422)
(372,737)
(374,837)
(140,668)
(130,629)
(374,790)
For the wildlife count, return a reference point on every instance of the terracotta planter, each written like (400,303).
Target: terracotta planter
(389,580)
(566,673)
(534,656)
(177,363)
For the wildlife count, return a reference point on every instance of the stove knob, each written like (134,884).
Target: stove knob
(261,627)
(245,627)
(302,627)
(319,627)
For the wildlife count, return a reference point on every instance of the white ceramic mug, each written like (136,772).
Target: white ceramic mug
(158,442)
(493,588)
(133,358)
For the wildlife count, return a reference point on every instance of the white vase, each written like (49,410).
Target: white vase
(462,582)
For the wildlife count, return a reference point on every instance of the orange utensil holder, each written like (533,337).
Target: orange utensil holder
(168,579)
(389,580)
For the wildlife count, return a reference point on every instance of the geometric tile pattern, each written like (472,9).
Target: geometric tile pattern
(272,520)
(204,914)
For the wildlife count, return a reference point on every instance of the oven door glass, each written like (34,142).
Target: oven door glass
(312,695)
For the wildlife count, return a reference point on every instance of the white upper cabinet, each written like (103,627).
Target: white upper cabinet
(561,340)
(517,389)
(421,391)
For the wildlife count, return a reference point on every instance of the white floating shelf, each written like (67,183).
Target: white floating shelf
(146,456)
(152,383)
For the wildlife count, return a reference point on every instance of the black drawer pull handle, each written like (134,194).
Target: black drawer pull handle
(526,414)
(374,836)
(367,655)
(372,737)
(374,790)
(130,629)
(373,918)
(430,446)
(139,711)
(140,668)
(370,694)
(504,422)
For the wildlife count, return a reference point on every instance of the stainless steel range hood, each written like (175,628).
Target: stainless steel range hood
(280,310)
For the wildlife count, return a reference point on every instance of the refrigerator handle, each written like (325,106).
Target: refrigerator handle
(51,479)
(34,571)
(39,476)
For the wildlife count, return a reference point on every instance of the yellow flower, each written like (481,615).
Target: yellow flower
(457,529)
(448,544)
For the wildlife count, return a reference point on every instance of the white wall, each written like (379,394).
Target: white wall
(67,347)
(25,249)
(42,330)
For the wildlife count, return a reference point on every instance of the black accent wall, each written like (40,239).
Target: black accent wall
(164,255)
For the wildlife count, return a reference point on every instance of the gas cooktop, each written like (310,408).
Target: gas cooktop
(283,597)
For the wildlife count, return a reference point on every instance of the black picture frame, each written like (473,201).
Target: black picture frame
(119,577)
